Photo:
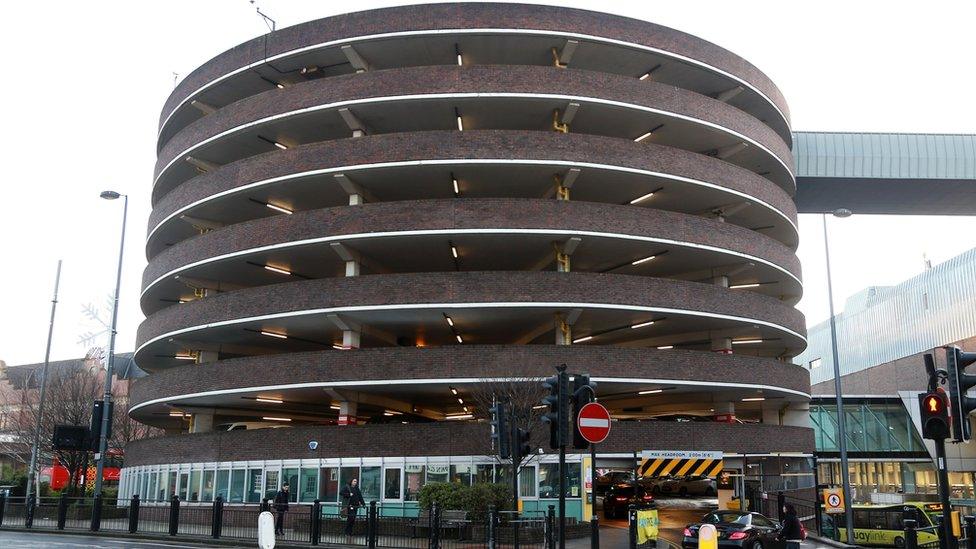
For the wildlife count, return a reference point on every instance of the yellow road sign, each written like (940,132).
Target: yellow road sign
(833,500)
(659,464)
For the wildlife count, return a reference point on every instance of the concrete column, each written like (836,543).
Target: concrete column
(352,268)
(564,331)
(724,412)
(722,345)
(770,414)
(207,356)
(201,423)
(350,339)
(356,199)
(347,412)
(796,414)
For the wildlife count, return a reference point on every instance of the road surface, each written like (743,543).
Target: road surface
(38,540)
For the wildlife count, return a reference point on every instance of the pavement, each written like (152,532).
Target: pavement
(37,540)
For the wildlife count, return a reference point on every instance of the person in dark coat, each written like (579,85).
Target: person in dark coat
(281,507)
(792,532)
(352,499)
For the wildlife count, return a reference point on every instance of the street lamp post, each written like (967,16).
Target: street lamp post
(107,399)
(838,395)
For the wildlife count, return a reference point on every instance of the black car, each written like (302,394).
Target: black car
(603,482)
(737,529)
(619,497)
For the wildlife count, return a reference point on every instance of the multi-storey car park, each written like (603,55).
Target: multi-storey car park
(360,220)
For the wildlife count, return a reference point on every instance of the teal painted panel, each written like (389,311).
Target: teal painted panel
(574,507)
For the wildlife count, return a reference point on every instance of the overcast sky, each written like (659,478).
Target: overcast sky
(85,82)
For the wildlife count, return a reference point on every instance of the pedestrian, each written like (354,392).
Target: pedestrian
(792,532)
(281,507)
(352,501)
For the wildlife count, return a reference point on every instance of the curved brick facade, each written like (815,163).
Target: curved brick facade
(245,198)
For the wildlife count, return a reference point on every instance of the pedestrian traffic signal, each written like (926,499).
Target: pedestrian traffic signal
(520,446)
(960,382)
(584,392)
(934,411)
(558,415)
(500,431)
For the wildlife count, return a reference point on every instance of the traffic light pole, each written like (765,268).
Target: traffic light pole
(946,539)
(562,496)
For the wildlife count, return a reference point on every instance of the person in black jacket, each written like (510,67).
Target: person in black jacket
(792,531)
(281,507)
(353,500)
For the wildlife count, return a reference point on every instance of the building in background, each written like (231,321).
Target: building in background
(882,334)
(360,222)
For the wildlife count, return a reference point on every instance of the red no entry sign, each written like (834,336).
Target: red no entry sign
(594,422)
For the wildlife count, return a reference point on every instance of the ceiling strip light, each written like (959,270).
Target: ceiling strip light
(281,209)
(272,418)
(273,334)
(269,400)
(664,347)
(651,392)
(642,198)
(745,341)
(643,260)
(582,339)
(642,324)
(459,416)
(459,340)
(740,286)
(277,270)
(754,399)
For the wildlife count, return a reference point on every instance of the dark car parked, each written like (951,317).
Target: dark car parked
(603,482)
(737,529)
(619,497)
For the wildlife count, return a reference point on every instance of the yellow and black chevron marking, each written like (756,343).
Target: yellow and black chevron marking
(680,467)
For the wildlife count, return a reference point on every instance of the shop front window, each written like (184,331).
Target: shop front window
(527,482)
(223,484)
(437,473)
(414,479)
(308,484)
(194,490)
(329,484)
(391,483)
(271,484)
(549,480)
(485,473)
(369,483)
(290,477)
(462,474)
(208,486)
(237,486)
(254,486)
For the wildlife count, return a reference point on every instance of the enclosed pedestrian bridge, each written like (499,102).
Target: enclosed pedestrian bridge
(885,173)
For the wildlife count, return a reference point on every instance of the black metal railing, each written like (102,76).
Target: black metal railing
(372,527)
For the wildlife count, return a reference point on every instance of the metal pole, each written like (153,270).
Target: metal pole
(594,519)
(949,540)
(838,395)
(32,470)
(107,399)
(562,496)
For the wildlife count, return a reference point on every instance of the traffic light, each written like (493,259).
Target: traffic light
(584,392)
(558,415)
(935,415)
(959,383)
(520,446)
(500,431)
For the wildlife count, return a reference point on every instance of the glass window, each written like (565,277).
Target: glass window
(438,473)
(346,474)
(271,484)
(171,490)
(815,363)
(308,484)
(153,479)
(254,486)
(290,477)
(369,483)
(527,482)
(549,480)
(485,473)
(223,483)
(184,486)
(144,491)
(208,486)
(160,494)
(413,474)
(391,483)
(462,474)
(237,486)
(194,489)
(329,484)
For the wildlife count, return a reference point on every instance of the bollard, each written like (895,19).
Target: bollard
(371,524)
(493,525)
(435,526)
(551,527)
(96,516)
(911,536)
(134,514)
(316,523)
(3,505)
(62,511)
(217,518)
(29,512)
(174,515)
(970,532)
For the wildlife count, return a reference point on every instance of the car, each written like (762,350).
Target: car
(620,497)
(699,485)
(737,530)
(667,484)
(612,477)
